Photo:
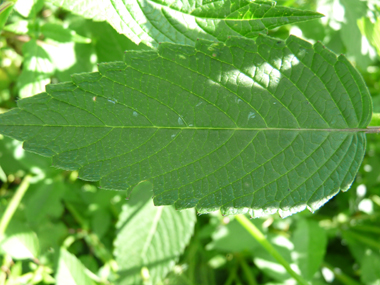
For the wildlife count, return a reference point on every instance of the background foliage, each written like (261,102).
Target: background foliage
(66,231)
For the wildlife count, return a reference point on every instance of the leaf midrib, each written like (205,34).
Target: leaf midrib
(349,130)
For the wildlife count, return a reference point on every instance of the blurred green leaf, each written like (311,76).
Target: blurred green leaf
(15,160)
(5,9)
(100,222)
(310,242)
(70,271)
(357,48)
(371,31)
(19,241)
(37,69)
(51,235)
(28,8)
(61,34)
(150,239)
(109,44)
(234,238)
(19,27)
(269,265)
(45,201)
(371,268)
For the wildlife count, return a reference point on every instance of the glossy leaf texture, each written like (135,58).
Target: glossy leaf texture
(246,126)
(183,22)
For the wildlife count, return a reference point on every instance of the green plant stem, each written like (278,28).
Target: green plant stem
(258,235)
(231,276)
(343,278)
(13,204)
(247,271)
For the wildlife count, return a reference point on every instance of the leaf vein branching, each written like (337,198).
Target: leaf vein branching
(146,158)
(183,34)
(225,87)
(151,22)
(331,172)
(191,92)
(332,92)
(117,156)
(147,95)
(324,84)
(223,18)
(216,170)
(294,167)
(327,161)
(197,160)
(122,18)
(75,106)
(250,173)
(264,87)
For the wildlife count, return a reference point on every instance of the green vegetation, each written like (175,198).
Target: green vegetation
(209,107)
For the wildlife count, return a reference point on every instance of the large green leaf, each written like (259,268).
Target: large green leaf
(142,249)
(154,21)
(256,126)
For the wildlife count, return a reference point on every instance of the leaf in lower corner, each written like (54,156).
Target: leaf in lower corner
(259,126)
(150,239)
(70,271)
(19,241)
(152,22)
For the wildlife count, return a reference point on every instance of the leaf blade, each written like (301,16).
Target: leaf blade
(259,126)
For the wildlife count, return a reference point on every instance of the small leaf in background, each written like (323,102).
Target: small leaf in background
(184,22)
(100,222)
(61,34)
(6,8)
(19,27)
(51,234)
(20,242)
(371,267)
(310,243)
(70,271)
(36,71)
(15,160)
(364,244)
(234,238)
(45,201)
(109,44)
(371,31)
(359,50)
(150,239)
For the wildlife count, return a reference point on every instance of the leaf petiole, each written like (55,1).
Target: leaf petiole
(13,204)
